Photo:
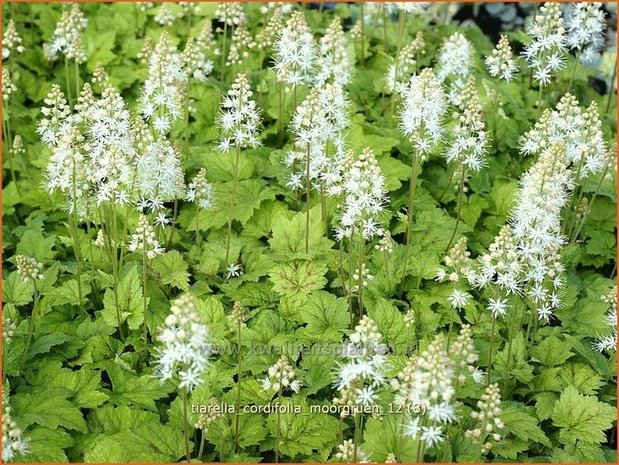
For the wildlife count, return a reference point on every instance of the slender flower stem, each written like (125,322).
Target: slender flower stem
(308,188)
(238,391)
(33,322)
(491,348)
(593,197)
(279,418)
(198,235)
(233,206)
(362,35)
(223,51)
(186,424)
(144,283)
(612,87)
(76,244)
(460,201)
(409,223)
(361,274)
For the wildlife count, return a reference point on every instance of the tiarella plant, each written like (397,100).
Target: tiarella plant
(276,232)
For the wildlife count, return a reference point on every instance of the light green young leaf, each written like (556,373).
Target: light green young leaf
(172,269)
(582,418)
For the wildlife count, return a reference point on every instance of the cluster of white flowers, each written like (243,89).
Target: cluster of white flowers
(585,24)
(399,73)
(427,383)
(458,266)
(500,267)
(8,85)
(214,412)
(363,195)
(28,268)
(108,145)
(239,118)
(470,138)
(67,39)
(165,15)
(242,42)
(608,343)
(536,226)
(159,175)
(8,330)
(363,372)
(464,355)
(144,239)
(545,53)
(346,452)
(12,441)
(185,345)
(580,131)
(271,7)
(56,114)
(385,244)
(455,57)
(318,125)
(488,419)
(408,7)
(238,316)
(362,277)
(12,42)
(423,107)
(333,63)
(501,62)
(295,52)
(200,190)
(281,376)
(195,56)
(268,34)
(231,13)
(161,99)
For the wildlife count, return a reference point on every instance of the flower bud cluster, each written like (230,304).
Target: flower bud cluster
(501,62)
(185,345)
(488,418)
(199,190)
(29,268)
(333,63)
(145,239)
(12,441)
(281,376)
(242,42)
(205,419)
(399,72)
(11,41)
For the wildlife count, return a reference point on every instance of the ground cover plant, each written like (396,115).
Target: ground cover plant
(308,232)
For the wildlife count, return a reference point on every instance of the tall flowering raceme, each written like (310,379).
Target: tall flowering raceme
(545,53)
(231,15)
(536,225)
(421,120)
(428,387)
(318,126)
(468,147)
(67,35)
(454,63)
(333,62)
(585,24)
(183,355)
(294,54)
(361,375)
(362,196)
(501,62)
(239,122)
(161,99)
(399,73)
(200,191)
